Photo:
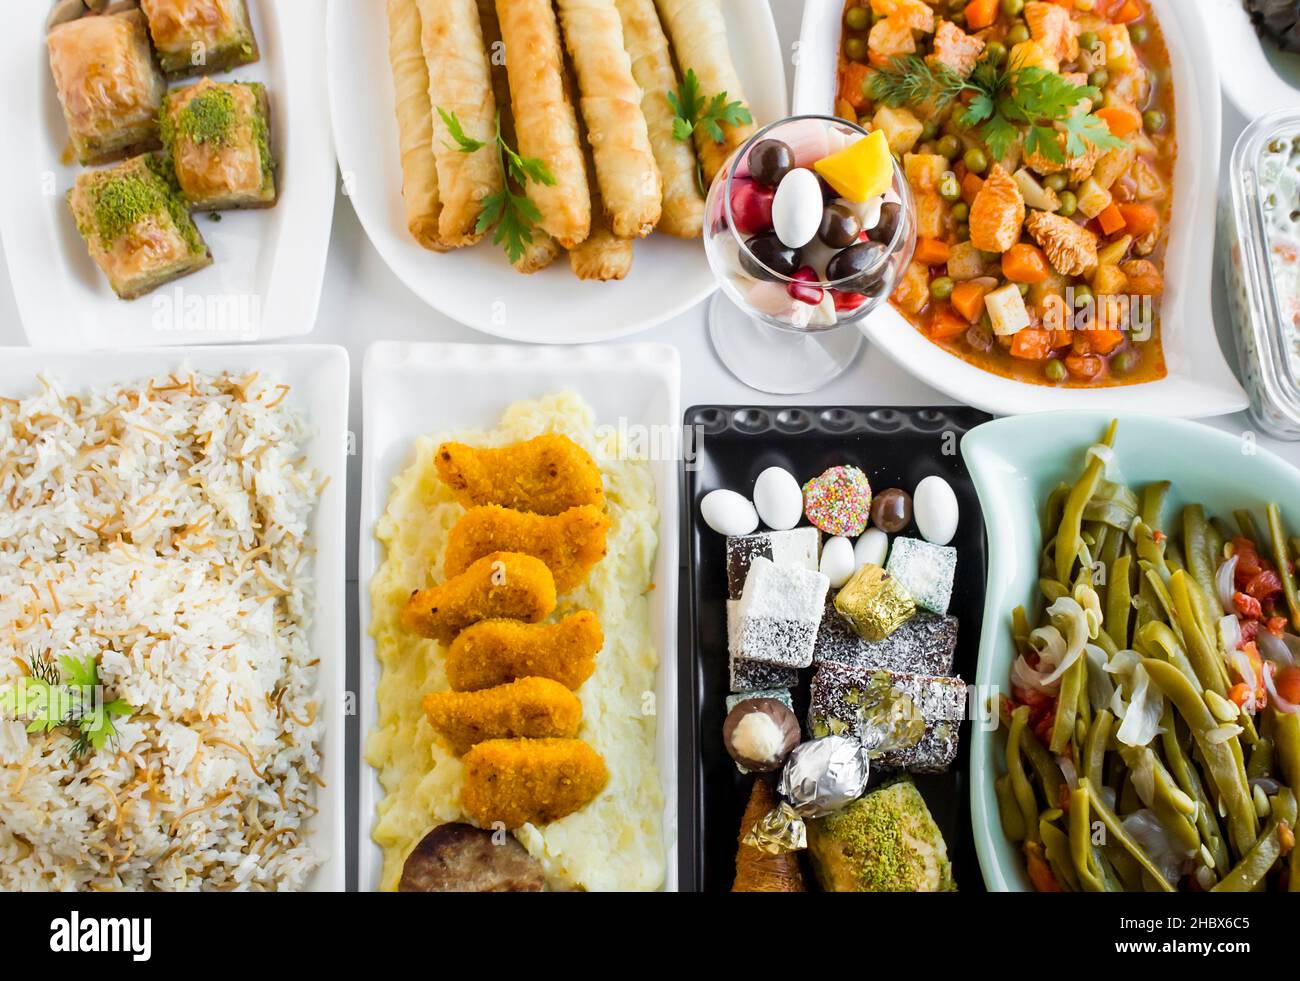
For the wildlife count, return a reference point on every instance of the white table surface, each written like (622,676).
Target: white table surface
(362,301)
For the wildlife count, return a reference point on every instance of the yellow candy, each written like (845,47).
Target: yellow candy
(861,170)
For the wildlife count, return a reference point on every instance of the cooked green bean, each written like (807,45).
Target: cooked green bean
(1094,755)
(1261,857)
(1183,772)
(1225,770)
(1013,821)
(1020,786)
(1246,522)
(1286,747)
(1200,651)
(1116,828)
(1159,640)
(1197,549)
(1068,540)
(1020,629)
(1081,841)
(1119,600)
(1203,779)
(1153,503)
(1067,705)
(1057,847)
(1045,767)
(1052,590)
(1277,537)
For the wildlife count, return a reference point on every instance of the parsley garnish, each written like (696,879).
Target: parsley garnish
(63,697)
(512,215)
(1004,102)
(693,111)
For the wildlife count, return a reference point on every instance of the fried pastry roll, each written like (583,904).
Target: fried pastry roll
(541,250)
(631,189)
(414,124)
(652,67)
(460,83)
(546,125)
(699,37)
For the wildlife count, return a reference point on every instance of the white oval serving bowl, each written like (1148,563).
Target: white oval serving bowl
(1199,382)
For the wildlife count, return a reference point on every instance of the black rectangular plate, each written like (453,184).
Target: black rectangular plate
(895,447)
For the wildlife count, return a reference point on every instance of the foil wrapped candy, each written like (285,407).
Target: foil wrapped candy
(823,775)
(820,777)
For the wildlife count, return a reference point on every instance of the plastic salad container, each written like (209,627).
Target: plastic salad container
(1263,268)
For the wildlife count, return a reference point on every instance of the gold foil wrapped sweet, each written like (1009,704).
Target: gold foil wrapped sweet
(874,603)
(779,830)
(890,719)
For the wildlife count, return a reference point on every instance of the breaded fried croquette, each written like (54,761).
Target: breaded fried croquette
(545,475)
(530,781)
(503,584)
(532,707)
(493,652)
(569,543)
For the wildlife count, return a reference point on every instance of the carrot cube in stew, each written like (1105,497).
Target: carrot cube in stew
(1112,220)
(945,324)
(932,251)
(968,299)
(981,14)
(1023,263)
(1140,219)
(1032,344)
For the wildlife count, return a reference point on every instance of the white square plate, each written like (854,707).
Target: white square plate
(412,389)
(1199,382)
(265,279)
(318,380)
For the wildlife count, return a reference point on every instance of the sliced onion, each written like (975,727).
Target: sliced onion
(1229,634)
(1101,690)
(1279,703)
(1106,456)
(1053,653)
(1068,771)
(1266,784)
(1141,718)
(1280,650)
(1221,734)
(1245,670)
(1225,585)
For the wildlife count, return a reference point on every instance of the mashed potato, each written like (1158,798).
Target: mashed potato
(616,842)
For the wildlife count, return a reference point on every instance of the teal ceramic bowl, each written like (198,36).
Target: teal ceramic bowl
(1015,463)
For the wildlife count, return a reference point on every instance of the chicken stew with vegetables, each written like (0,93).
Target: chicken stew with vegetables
(1038,138)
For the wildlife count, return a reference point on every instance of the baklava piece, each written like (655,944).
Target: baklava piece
(108,85)
(217,137)
(136,226)
(200,37)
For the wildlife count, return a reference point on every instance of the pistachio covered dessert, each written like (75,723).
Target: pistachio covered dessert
(196,37)
(217,137)
(137,228)
(885,841)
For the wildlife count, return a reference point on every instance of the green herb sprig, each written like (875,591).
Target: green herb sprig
(62,697)
(511,214)
(693,111)
(1003,102)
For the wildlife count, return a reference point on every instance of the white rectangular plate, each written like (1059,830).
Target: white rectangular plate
(265,279)
(412,389)
(318,380)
